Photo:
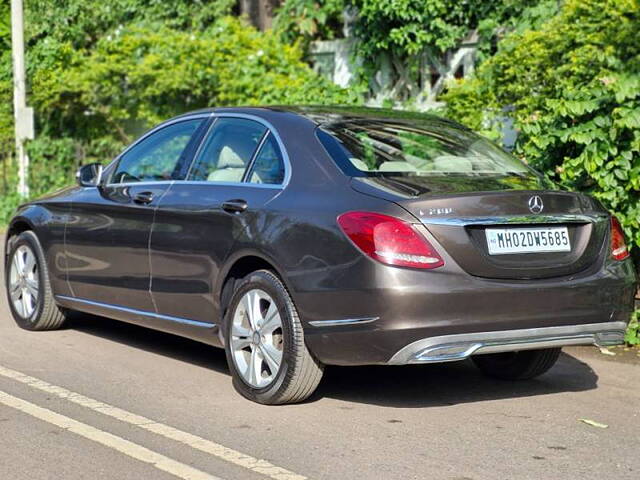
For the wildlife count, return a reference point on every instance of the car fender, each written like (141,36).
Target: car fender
(244,253)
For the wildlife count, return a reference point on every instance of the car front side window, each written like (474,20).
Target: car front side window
(157,157)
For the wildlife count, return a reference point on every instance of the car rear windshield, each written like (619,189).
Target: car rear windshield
(378,148)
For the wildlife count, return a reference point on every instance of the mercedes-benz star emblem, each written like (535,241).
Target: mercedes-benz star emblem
(535,204)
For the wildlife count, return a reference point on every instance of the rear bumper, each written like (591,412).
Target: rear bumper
(401,313)
(447,348)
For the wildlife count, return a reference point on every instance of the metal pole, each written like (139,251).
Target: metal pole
(21,113)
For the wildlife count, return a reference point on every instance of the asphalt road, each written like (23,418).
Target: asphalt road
(102,399)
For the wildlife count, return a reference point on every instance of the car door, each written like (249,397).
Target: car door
(238,169)
(107,236)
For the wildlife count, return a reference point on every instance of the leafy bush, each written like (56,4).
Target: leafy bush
(633,331)
(84,22)
(575,86)
(141,75)
(308,19)
(397,33)
(96,87)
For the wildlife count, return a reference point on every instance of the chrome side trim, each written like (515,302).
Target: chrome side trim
(449,348)
(345,321)
(464,221)
(230,184)
(196,182)
(133,311)
(138,184)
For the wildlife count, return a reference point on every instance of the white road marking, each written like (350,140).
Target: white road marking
(248,462)
(109,440)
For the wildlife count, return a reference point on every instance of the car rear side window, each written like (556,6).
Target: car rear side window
(226,152)
(268,166)
(366,147)
(156,157)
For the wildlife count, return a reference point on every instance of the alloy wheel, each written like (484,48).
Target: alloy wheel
(256,338)
(24,283)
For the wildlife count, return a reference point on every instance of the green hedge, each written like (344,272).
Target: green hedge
(574,85)
(94,95)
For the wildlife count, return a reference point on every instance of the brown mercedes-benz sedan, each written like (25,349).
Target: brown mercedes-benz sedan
(301,237)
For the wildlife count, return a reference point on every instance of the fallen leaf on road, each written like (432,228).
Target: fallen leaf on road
(606,351)
(593,423)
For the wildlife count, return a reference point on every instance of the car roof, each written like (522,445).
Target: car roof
(334,114)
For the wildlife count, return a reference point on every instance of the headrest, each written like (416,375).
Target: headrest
(452,163)
(397,167)
(359,164)
(229,159)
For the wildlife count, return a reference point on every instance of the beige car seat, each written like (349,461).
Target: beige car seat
(452,163)
(397,167)
(230,167)
(359,164)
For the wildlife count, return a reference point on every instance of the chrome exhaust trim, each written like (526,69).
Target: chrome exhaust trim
(450,348)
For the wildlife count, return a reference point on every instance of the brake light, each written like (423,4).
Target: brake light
(389,240)
(619,249)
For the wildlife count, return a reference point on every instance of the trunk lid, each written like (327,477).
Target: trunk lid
(459,210)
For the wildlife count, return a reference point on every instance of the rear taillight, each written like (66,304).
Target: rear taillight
(619,249)
(389,240)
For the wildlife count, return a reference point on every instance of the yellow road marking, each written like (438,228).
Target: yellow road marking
(109,440)
(248,462)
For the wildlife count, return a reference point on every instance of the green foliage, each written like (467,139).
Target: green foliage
(310,19)
(6,79)
(143,75)
(511,16)
(632,336)
(100,73)
(405,27)
(408,26)
(575,85)
(83,22)
(5,25)
(9,198)
(397,33)
(475,111)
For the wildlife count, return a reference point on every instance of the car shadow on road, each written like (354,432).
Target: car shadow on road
(153,341)
(417,386)
(413,386)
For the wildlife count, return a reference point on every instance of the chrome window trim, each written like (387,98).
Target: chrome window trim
(227,184)
(133,184)
(270,130)
(195,182)
(252,161)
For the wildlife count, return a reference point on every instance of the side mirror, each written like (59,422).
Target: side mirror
(89,175)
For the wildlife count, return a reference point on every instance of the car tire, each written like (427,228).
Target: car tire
(521,365)
(253,303)
(27,284)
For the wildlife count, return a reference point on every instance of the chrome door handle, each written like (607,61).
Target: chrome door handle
(234,206)
(143,198)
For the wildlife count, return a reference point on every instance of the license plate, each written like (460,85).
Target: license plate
(501,241)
